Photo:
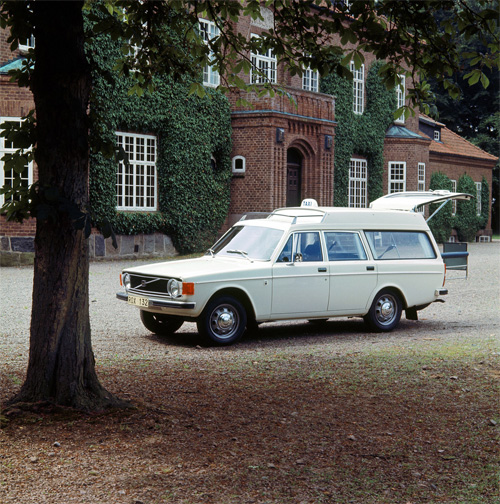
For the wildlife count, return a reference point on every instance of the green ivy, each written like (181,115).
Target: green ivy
(442,223)
(193,196)
(361,135)
(467,222)
(485,204)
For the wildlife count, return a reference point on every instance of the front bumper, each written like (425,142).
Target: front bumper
(162,303)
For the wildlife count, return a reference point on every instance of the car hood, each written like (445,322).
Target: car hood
(201,268)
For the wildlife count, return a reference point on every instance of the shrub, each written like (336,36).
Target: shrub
(467,222)
(442,223)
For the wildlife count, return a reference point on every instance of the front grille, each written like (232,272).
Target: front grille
(148,285)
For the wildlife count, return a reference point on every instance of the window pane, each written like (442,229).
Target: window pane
(136,180)
(389,245)
(344,247)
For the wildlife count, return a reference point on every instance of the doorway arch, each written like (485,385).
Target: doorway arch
(293,177)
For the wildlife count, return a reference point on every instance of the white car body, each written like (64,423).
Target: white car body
(306,262)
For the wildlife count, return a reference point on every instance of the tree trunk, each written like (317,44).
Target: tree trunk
(61,365)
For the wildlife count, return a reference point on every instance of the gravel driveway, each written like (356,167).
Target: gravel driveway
(471,311)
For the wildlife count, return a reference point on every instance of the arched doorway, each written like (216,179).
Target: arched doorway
(293,177)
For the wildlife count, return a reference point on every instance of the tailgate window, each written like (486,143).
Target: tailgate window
(400,245)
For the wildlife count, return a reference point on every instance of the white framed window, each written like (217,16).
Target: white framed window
(239,165)
(437,135)
(397,176)
(358,183)
(136,181)
(421,177)
(454,201)
(7,147)
(358,88)
(310,80)
(479,187)
(209,31)
(263,66)
(401,97)
(27,44)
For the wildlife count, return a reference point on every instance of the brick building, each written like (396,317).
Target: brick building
(284,146)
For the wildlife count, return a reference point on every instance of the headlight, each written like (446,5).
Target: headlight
(126,281)
(174,287)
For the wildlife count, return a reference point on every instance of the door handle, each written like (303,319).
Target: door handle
(370,268)
(322,270)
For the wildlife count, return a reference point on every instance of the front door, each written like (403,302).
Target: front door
(293,177)
(300,278)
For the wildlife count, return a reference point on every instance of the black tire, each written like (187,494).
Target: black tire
(385,311)
(157,323)
(222,322)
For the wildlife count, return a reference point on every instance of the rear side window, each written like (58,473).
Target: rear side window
(344,247)
(400,245)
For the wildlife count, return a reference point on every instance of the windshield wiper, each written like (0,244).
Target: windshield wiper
(240,252)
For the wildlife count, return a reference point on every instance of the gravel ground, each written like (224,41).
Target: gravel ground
(471,310)
(298,413)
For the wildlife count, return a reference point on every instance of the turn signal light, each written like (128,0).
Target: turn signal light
(121,283)
(188,288)
(444,278)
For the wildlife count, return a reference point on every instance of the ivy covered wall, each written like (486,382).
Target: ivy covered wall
(360,135)
(193,194)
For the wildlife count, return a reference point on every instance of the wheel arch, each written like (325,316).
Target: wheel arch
(240,295)
(395,290)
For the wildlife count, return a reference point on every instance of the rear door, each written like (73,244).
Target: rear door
(412,200)
(353,276)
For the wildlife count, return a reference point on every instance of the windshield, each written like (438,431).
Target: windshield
(251,242)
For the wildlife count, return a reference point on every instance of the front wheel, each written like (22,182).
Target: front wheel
(157,323)
(223,321)
(385,312)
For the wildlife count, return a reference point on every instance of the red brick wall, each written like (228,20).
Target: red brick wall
(410,151)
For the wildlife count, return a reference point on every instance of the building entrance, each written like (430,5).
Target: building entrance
(293,177)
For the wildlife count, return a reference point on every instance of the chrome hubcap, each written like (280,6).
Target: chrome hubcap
(385,311)
(224,321)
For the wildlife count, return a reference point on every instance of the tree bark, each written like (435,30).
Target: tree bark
(61,366)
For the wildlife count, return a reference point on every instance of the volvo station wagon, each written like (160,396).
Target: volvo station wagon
(305,262)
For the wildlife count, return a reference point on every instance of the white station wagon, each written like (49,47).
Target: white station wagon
(306,262)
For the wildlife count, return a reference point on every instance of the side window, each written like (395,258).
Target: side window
(302,247)
(344,247)
(400,245)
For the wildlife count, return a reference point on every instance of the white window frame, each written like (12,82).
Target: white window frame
(266,64)
(397,176)
(236,170)
(310,80)
(6,176)
(479,188)
(421,177)
(358,183)
(401,97)
(209,30)
(454,201)
(437,135)
(30,44)
(358,88)
(137,182)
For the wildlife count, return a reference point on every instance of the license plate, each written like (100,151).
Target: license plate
(138,301)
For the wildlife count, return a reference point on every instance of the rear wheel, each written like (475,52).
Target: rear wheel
(385,312)
(223,321)
(158,323)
